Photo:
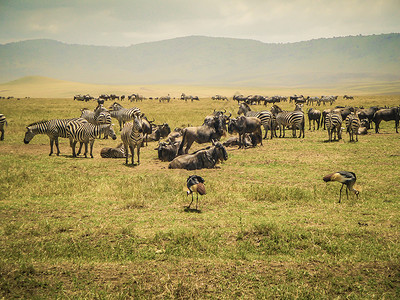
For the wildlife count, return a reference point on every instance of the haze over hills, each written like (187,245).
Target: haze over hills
(199,60)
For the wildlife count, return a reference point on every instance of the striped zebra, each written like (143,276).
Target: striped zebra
(352,125)
(3,123)
(293,119)
(333,124)
(117,152)
(53,128)
(122,114)
(266,117)
(132,137)
(97,117)
(86,133)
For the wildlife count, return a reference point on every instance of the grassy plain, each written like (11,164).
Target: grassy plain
(269,226)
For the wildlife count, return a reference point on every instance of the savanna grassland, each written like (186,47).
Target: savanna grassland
(269,227)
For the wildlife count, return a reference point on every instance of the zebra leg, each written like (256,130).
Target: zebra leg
(138,154)
(80,148)
(51,146)
(91,148)
(133,153)
(86,149)
(58,149)
(126,153)
(2,135)
(73,144)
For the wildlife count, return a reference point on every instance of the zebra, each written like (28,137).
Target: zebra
(117,152)
(99,116)
(294,119)
(53,128)
(3,122)
(86,133)
(352,125)
(333,124)
(132,136)
(266,117)
(122,114)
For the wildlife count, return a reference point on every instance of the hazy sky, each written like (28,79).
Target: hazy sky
(126,22)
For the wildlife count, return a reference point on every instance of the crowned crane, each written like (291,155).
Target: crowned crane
(345,178)
(195,184)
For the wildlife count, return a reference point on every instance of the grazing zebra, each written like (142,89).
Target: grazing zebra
(86,133)
(122,114)
(266,117)
(3,122)
(53,128)
(352,125)
(132,136)
(333,124)
(294,119)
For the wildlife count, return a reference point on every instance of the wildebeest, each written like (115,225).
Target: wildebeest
(367,113)
(250,140)
(266,117)
(314,115)
(243,125)
(205,133)
(167,151)
(387,114)
(203,159)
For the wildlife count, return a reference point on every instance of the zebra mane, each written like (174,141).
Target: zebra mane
(37,123)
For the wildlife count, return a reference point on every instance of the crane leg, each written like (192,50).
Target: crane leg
(191,202)
(340,195)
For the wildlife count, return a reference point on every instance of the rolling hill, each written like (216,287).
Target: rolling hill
(199,60)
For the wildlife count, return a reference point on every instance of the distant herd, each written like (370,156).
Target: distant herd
(173,147)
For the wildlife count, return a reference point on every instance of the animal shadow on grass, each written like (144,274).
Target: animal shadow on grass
(130,165)
(192,210)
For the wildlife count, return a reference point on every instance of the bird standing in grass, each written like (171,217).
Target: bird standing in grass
(345,178)
(195,184)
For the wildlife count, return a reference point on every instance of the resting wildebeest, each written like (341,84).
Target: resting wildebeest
(244,125)
(205,158)
(387,114)
(167,151)
(205,133)
(250,140)
(367,113)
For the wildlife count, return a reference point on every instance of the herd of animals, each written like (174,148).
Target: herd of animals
(136,129)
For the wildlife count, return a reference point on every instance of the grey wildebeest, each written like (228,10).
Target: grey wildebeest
(243,125)
(314,115)
(387,114)
(266,117)
(214,129)
(203,159)
(167,151)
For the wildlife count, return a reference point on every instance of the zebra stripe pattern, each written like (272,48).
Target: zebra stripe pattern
(122,114)
(132,137)
(118,152)
(352,125)
(86,133)
(333,124)
(53,128)
(266,117)
(293,119)
(3,123)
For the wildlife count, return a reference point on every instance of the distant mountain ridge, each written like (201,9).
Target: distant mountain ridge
(209,61)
